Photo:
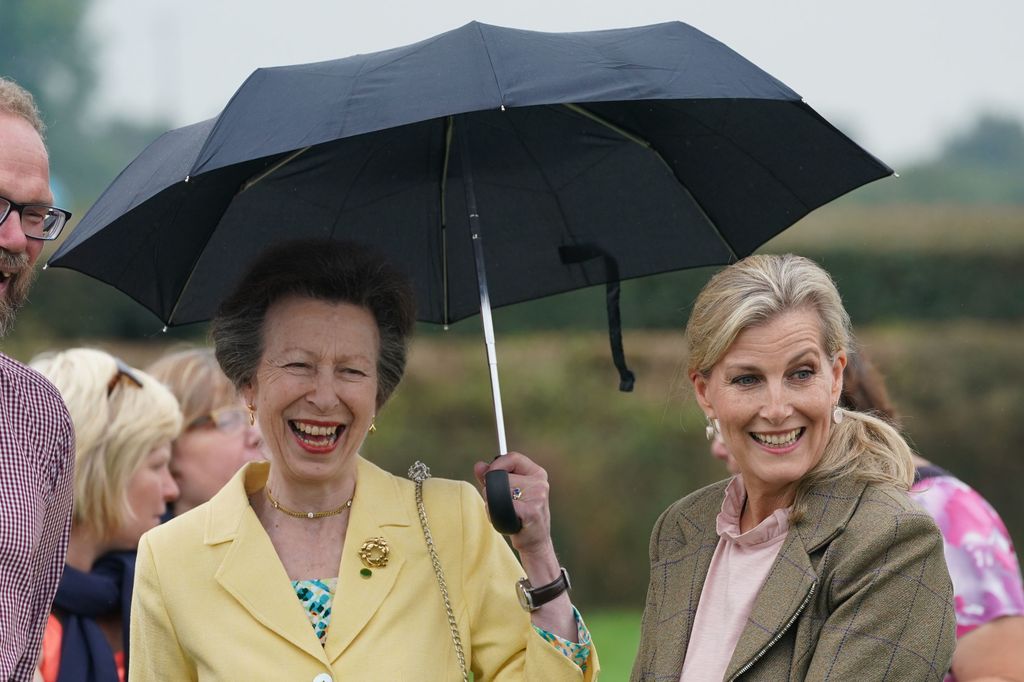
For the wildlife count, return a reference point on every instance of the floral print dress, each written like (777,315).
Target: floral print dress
(979,552)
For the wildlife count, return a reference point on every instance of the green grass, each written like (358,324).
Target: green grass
(617,634)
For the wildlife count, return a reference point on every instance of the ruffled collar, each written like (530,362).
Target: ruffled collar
(727,523)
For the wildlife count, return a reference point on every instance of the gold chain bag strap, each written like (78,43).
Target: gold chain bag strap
(420,472)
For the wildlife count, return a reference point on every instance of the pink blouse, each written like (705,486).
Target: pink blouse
(738,570)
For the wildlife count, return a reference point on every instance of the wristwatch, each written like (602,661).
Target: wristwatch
(532,598)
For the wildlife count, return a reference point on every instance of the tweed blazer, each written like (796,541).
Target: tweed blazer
(213,602)
(858,591)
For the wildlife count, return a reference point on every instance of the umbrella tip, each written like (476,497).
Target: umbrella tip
(45,265)
(164,330)
(446,327)
(188,178)
(503,107)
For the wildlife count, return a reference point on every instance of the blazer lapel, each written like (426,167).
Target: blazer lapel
(784,594)
(788,588)
(251,571)
(379,510)
(682,567)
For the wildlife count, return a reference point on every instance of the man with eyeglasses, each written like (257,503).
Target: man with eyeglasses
(37,443)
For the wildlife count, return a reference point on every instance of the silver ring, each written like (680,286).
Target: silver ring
(517,493)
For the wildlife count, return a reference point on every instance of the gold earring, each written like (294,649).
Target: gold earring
(373,424)
(252,414)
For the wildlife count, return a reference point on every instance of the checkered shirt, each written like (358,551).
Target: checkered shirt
(37,454)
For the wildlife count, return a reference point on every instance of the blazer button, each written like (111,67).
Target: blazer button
(323,677)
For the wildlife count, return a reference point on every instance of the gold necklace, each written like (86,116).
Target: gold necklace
(306,515)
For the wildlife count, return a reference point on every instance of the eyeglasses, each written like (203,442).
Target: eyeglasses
(123,372)
(225,419)
(38,221)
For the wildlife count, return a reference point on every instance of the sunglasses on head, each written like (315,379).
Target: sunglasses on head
(123,372)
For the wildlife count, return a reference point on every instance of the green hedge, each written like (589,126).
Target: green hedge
(941,286)
(877,287)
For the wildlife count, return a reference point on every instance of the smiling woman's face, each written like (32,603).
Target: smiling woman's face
(315,388)
(773,393)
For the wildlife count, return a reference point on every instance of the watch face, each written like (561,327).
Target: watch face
(523,595)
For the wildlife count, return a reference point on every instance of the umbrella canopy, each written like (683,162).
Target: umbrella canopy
(492,165)
(596,156)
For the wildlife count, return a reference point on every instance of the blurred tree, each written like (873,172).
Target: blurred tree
(982,165)
(48,49)
(993,142)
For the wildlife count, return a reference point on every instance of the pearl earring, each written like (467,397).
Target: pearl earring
(711,428)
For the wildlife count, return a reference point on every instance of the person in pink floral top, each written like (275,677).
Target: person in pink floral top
(979,551)
(987,585)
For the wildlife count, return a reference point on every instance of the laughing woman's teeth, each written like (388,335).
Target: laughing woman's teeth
(777,440)
(314,431)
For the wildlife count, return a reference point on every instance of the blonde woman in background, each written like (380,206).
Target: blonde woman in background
(218,438)
(124,423)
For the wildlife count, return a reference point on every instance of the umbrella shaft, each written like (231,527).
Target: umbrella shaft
(492,354)
(481,278)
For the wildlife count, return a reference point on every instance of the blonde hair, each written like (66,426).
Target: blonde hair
(17,101)
(196,380)
(760,288)
(113,433)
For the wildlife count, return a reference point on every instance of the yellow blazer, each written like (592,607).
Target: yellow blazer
(213,602)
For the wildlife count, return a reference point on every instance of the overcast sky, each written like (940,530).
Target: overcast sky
(899,75)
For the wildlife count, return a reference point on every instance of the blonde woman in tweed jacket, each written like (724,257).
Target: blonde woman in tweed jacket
(811,563)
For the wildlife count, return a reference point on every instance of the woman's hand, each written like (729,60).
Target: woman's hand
(531,507)
(533,541)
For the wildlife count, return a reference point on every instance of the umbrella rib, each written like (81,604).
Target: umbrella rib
(753,159)
(245,186)
(283,162)
(184,288)
(543,175)
(188,280)
(449,124)
(490,62)
(650,147)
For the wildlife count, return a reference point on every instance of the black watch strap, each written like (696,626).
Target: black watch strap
(532,598)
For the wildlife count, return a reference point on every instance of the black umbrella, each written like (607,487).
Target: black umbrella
(493,165)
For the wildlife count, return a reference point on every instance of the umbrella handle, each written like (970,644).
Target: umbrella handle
(499,503)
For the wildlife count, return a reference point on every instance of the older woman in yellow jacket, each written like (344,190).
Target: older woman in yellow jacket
(319,565)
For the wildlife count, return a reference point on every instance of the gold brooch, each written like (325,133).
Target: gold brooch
(375,552)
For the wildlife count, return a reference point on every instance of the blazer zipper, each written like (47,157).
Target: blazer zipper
(778,635)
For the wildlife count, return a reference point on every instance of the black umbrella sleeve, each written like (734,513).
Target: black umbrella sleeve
(584,252)
(499,503)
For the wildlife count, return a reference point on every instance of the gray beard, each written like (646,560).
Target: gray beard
(17,289)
